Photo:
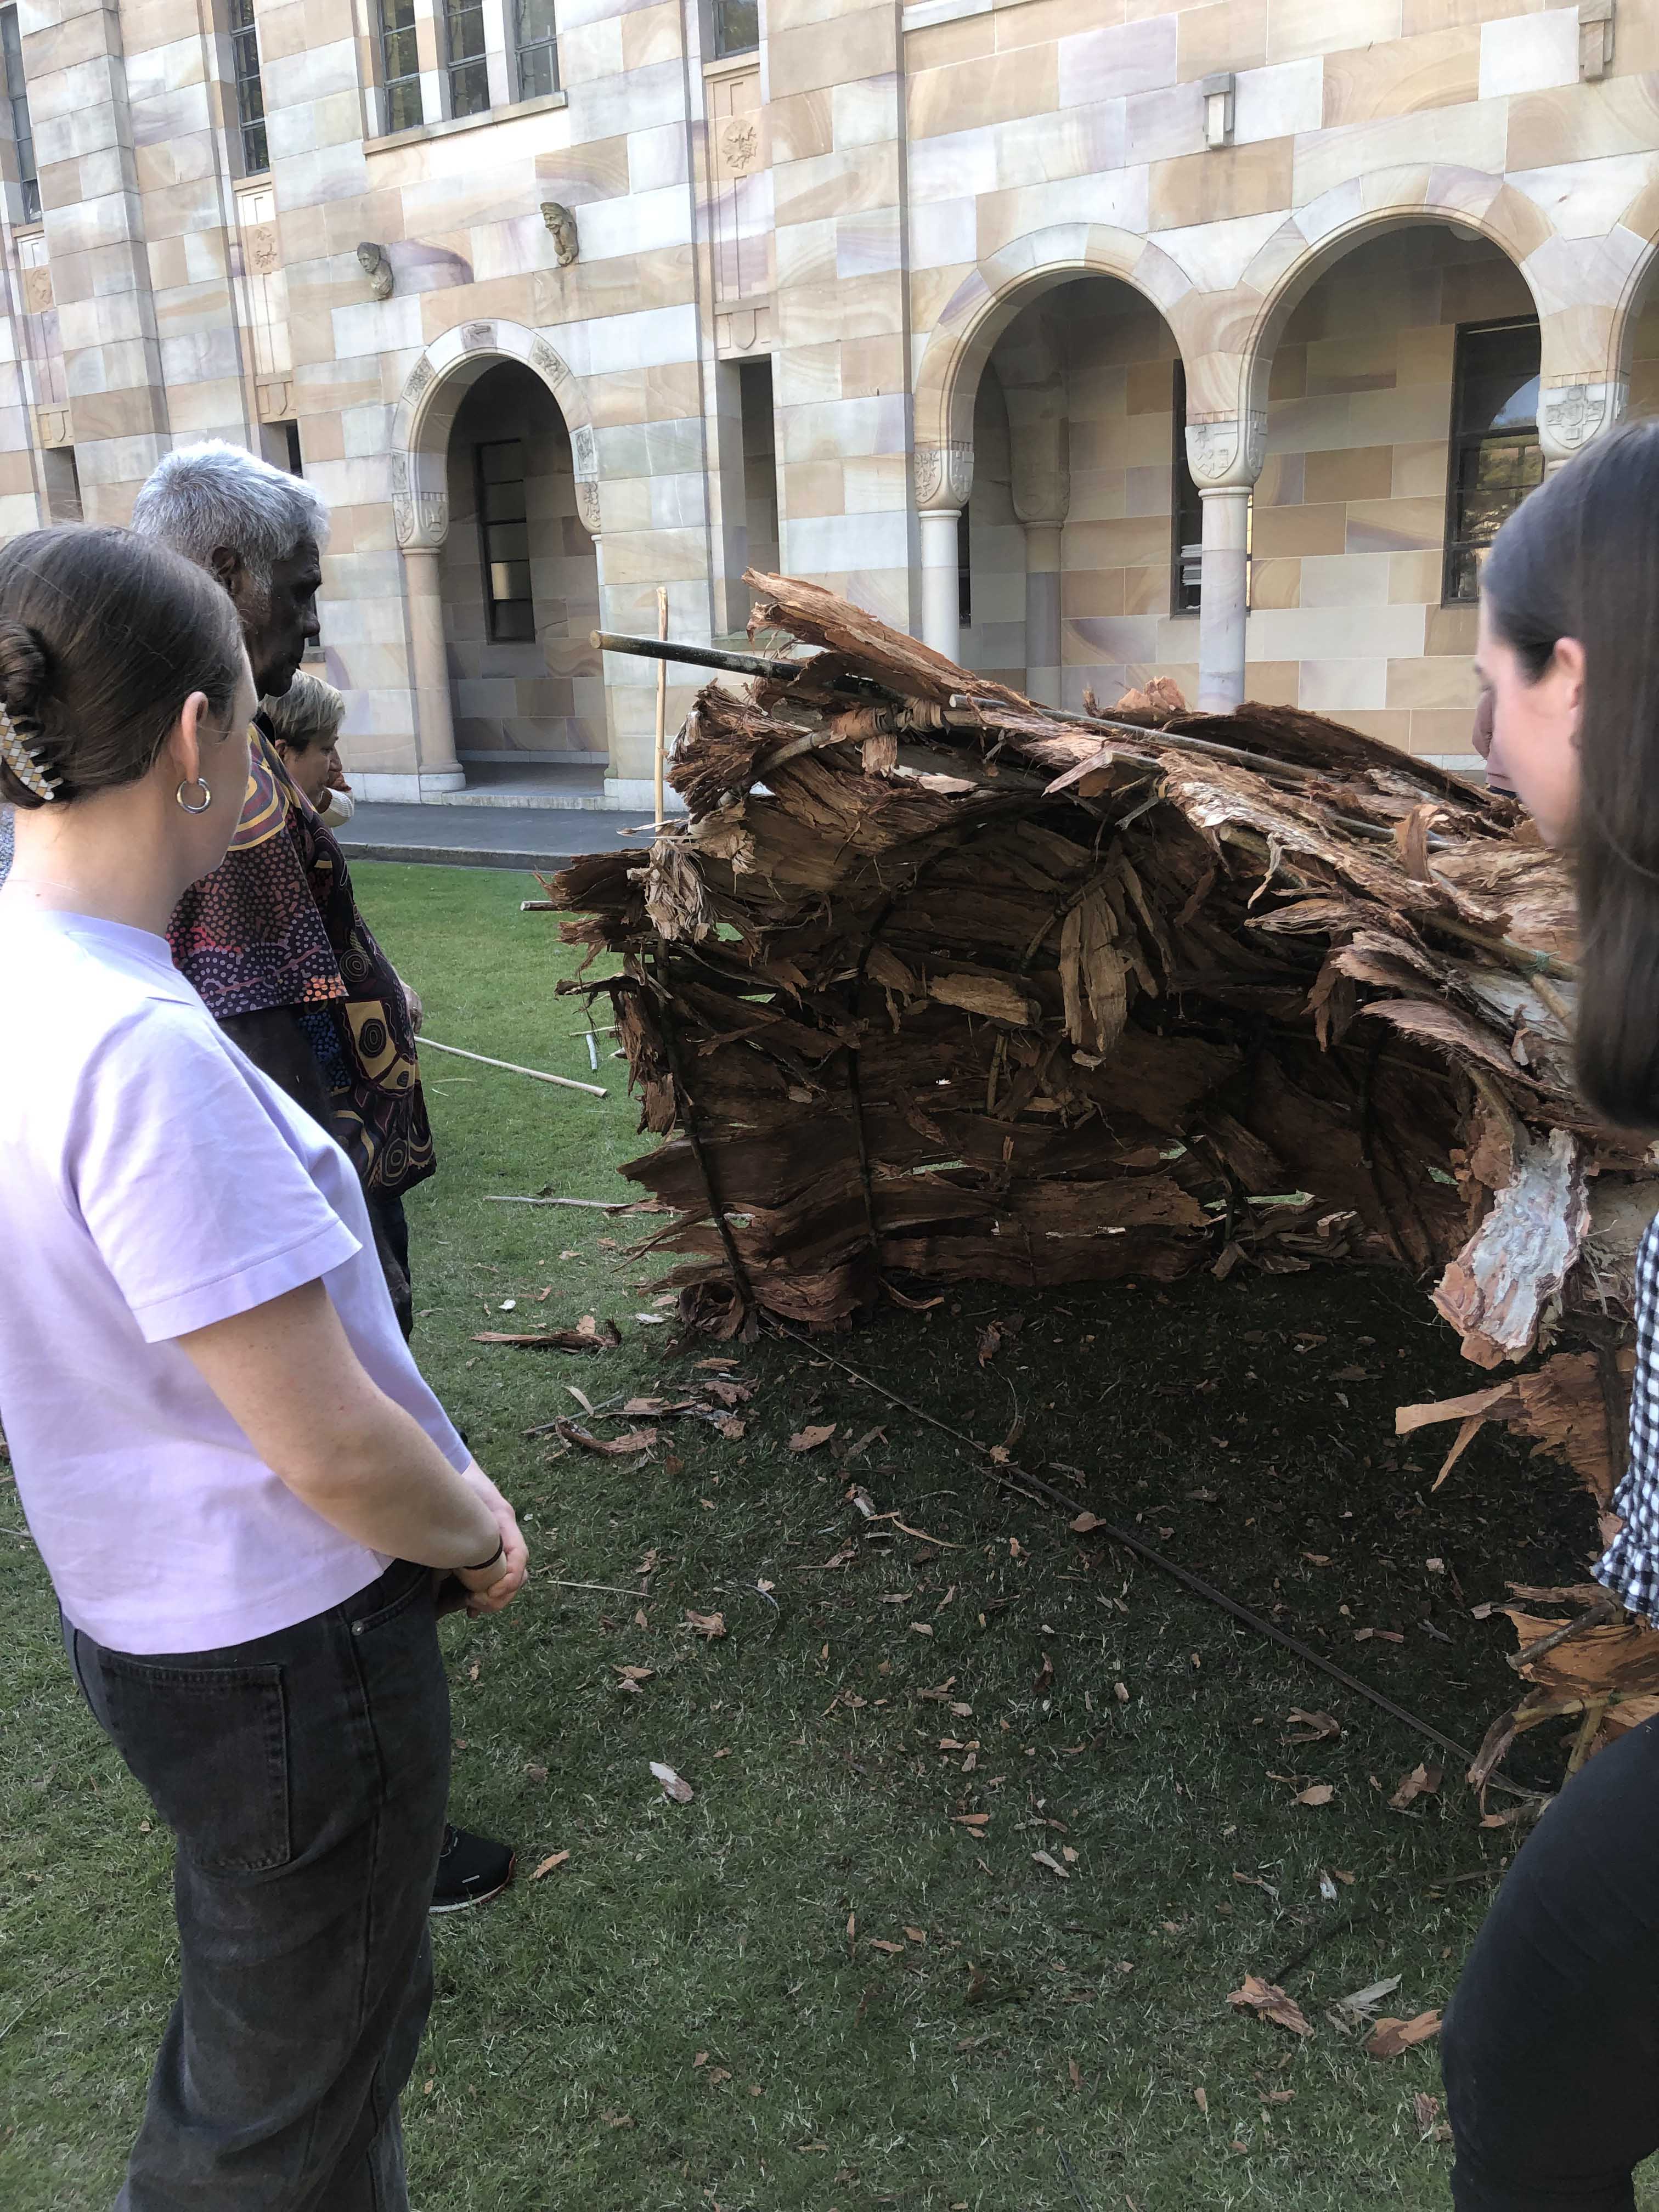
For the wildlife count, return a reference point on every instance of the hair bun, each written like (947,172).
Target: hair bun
(25,684)
(25,671)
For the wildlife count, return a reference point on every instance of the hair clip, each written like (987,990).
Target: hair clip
(21,761)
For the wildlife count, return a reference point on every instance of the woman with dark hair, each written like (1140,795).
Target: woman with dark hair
(249,1575)
(1550,2044)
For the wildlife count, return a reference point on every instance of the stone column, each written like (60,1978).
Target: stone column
(435,722)
(1225,457)
(1043,571)
(944,478)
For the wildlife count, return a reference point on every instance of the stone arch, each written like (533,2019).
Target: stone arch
(1244,326)
(430,399)
(986,301)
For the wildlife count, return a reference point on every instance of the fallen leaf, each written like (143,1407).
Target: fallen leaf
(1270,2003)
(1425,2110)
(680,1792)
(1202,2102)
(1362,2004)
(1390,2038)
(881,1943)
(1045,1675)
(990,1343)
(809,1439)
(634,1675)
(1421,1782)
(1043,1859)
(971,1819)
(636,1440)
(708,1625)
(1309,1728)
(588,1335)
(557,1859)
(916,1935)
(1321,1793)
(1083,1523)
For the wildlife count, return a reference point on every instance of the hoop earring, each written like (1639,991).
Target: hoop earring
(207,796)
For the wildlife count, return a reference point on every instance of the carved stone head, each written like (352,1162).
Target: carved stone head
(562,225)
(376,268)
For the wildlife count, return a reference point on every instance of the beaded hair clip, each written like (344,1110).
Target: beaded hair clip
(21,761)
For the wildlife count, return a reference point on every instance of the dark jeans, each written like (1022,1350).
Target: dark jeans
(391,1228)
(304,1776)
(1550,2044)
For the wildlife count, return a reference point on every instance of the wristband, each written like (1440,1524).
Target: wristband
(500,1553)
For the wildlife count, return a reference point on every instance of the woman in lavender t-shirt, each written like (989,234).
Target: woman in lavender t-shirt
(247,1572)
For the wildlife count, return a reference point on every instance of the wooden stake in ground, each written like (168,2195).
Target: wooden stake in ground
(662,703)
(564,1082)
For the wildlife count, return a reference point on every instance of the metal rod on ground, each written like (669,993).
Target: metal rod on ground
(564,1082)
(1031,1485)
(662,699)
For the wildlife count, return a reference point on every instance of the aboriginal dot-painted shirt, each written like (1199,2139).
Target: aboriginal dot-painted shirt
(276,925)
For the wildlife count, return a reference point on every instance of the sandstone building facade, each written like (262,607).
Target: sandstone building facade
(1088,339)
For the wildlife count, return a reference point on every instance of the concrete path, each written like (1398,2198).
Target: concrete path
(517,836)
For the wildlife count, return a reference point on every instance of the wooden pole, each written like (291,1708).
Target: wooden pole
(564,1082)
(662,700)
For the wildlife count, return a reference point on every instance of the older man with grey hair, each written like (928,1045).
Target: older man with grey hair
(272,939)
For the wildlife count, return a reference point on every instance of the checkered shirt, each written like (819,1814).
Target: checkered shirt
(1630,1568)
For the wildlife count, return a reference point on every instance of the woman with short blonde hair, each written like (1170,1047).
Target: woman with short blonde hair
(305,725)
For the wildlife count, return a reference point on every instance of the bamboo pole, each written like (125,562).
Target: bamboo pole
(662,700)
(564,1082)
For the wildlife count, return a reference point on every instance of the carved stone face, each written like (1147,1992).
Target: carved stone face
(370,256)
(562,225)
(377,269)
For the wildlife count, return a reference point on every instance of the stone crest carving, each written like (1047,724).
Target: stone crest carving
(403,506)
(739,146)
(1571,415)
(53,423)
(587,504)
(273,400)
(562,227)
(584,455)
(432,509)
(264,248)
(38,298)
(944,474)
(1228,449)
(418,379)
(478,337)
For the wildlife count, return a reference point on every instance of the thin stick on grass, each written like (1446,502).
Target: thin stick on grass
(564,1082)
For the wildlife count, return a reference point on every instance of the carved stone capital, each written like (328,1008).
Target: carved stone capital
(587,504)
(944,474)
(1571,415)
(1228,449)
(420,513)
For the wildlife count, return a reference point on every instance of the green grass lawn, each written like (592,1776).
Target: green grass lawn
(814,1986)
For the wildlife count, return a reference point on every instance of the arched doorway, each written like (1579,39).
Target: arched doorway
(1402,400)
(520,585)
(510,666)
(1073,539)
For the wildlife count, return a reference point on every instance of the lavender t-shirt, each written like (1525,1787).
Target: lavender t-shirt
(152,1181)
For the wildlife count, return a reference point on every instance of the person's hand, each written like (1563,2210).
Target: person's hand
(416,1011)
(490,1589)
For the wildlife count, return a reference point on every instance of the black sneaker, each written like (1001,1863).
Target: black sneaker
(471,1871)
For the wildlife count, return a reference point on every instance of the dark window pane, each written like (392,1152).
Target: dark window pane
(502,461)
(465,21)
(538,76)
(469,88)
(402,59)
(400,66)
(256,149)
(1496,457)
(504,536)
(508,541)
(404,111)
(737,25)
(1188,510)
(535,21)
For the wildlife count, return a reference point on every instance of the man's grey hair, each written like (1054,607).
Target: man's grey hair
(200,497)
(309,713)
